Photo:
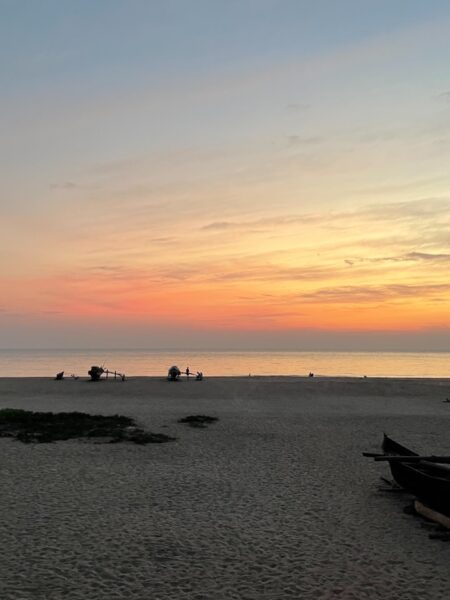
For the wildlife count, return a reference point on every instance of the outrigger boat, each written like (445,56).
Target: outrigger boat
(96,373)
(427,477)
(174,373)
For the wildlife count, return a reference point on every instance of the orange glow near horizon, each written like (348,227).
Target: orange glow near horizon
(270,274)
(250,294)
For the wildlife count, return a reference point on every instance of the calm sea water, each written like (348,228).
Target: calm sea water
(46,363)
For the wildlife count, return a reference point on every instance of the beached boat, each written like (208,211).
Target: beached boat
(96,372)
(390,446)
(429,481)
(174,373)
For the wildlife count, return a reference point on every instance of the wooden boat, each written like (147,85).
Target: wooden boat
(174,373)
(390,446)
(96,373)
(429,481)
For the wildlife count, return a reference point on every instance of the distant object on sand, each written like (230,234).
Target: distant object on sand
(311,374)
(174,373)
(96,372)
(59,376)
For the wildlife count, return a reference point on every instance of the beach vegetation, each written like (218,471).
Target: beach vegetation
(44,427)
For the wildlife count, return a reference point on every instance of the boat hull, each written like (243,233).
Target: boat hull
(430,483)
(390,446)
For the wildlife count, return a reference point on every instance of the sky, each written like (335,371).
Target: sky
(249,174)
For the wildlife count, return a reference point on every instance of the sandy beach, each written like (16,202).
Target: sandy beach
(273,501)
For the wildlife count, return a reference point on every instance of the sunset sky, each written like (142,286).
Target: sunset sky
(225,174)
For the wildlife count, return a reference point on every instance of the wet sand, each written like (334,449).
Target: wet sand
(274,501)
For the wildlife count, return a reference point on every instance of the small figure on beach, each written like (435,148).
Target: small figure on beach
(187,372)
(199,376)
(311,374)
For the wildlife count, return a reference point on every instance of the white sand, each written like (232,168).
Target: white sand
(274,501)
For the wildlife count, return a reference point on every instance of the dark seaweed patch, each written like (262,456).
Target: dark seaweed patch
(198,420)
(45,427)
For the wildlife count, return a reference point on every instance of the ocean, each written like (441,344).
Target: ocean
(46,363)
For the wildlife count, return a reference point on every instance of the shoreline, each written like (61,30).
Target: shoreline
(231,364)
(129,378)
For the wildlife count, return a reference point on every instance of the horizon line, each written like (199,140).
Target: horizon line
(221,350)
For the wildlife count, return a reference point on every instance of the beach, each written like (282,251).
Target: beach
(273,501)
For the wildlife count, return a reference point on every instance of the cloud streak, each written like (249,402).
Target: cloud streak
(361,294)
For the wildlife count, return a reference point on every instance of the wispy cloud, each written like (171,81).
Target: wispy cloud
(65,185)
(296,107)
(432,208)
(354,294)
(298,140)
(408,257)
(428,257)
(444,96)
